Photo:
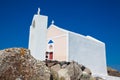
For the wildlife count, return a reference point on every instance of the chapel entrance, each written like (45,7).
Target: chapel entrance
(49,53)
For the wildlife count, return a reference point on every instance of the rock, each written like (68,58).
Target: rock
(113,72)
(56,67)
(63,73)
(50,63)
(85,76)
(71,72)
(54,75)
(98,78)
(64,66)
(18,64)
(87,71)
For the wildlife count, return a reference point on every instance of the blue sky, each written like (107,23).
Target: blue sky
(97,18)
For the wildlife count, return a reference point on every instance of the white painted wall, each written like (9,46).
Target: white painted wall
(107,77)
(112,78)
(88,52)
(38,36)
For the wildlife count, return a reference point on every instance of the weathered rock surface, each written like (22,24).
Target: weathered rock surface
(18,64)
(69,71)
(113,72)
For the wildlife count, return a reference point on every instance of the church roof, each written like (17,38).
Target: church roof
(52,25)
(67,31)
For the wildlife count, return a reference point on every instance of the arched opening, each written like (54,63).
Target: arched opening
(50,50)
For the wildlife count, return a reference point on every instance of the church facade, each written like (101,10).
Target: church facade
(68,46)
(56,43)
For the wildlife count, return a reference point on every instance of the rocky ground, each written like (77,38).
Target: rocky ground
(18,64)
(113,72)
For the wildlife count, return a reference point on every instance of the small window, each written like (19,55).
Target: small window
(33,24)
(51,47)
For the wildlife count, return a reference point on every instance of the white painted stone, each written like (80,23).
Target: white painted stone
(89,52)
(107,77)
(38,36)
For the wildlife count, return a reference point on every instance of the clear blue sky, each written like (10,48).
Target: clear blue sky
(97,18)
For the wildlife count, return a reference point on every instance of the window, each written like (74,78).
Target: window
(33,24)
(51,47)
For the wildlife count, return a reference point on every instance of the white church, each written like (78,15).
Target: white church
(55,43)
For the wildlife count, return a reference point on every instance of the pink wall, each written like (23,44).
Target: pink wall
(60,48)
(60,43)
(53,31)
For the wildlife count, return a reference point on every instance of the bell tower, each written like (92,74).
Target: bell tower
(38,36)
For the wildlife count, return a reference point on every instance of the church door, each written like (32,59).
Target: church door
(50,49)
(51,56)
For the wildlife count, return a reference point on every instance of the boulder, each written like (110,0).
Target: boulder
(18,64)
(63,74)
(87,71)
(85,76)
(98,78)
(56,67)
(71,72)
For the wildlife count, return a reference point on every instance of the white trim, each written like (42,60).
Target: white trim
(96,40)
(105,59)
(87,37)
(67,44)
(52,25)
(49,27)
